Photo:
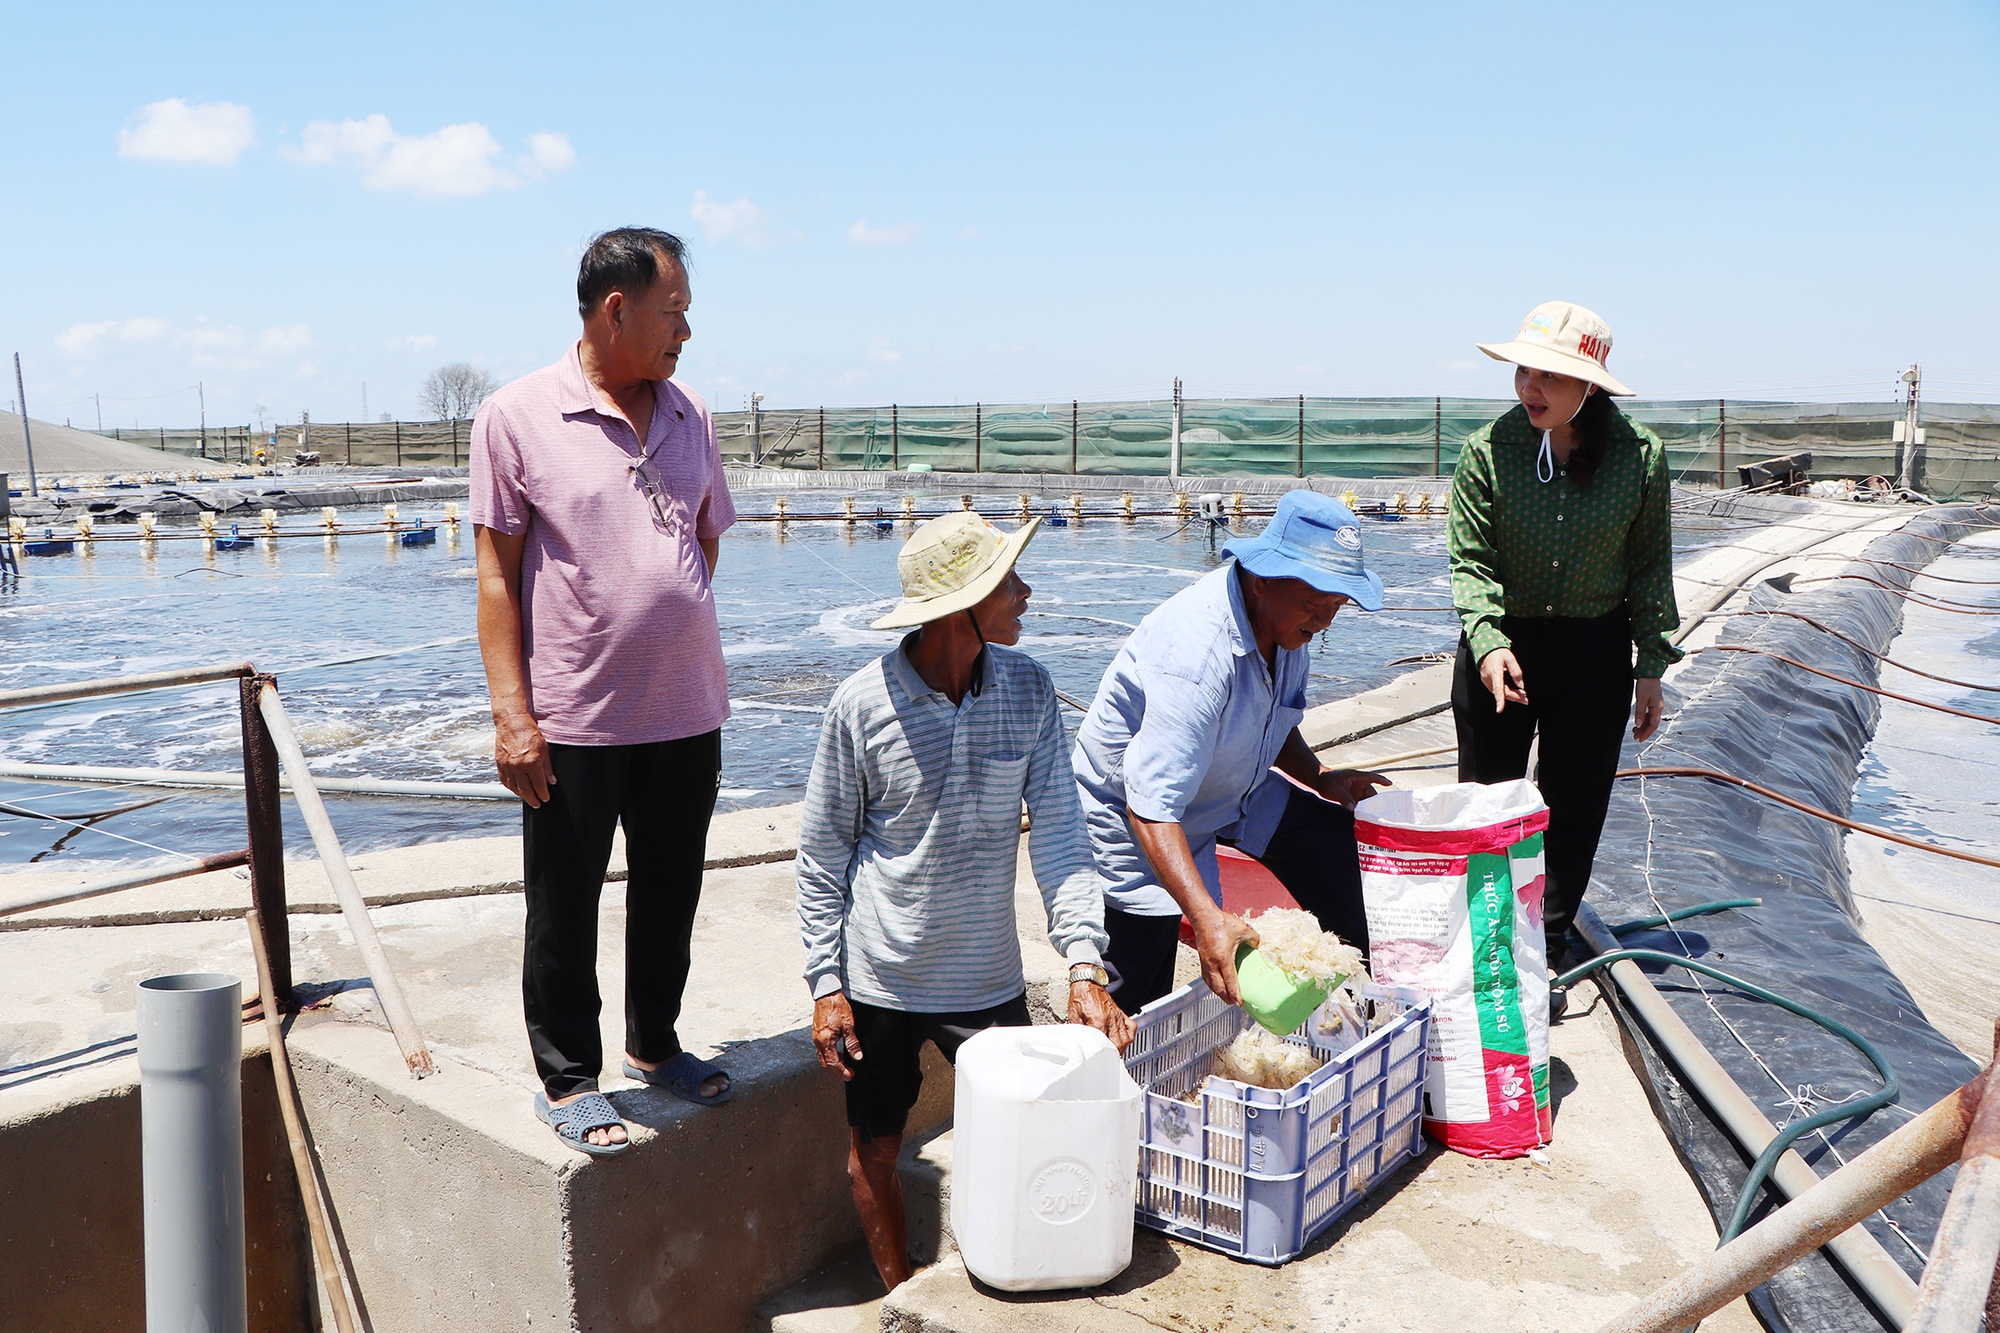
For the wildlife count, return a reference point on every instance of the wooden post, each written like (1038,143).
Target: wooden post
(977,430)
(1072,437)
(267,838)
(1437,436)
(895,440)
(1302,435)
(822,439)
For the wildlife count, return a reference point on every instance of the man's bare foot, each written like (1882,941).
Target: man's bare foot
(713,1086)
(603,1137)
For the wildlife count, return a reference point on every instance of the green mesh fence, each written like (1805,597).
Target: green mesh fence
(360,443)
(1356,437)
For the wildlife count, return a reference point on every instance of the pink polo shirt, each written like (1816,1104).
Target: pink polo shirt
(617,617)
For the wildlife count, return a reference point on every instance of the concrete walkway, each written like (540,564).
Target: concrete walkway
(460,1211)
(1446,1243)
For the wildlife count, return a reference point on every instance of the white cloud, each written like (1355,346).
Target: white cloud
(548,152)
(284,340)
(738,220)
(880,350)
(412,342)
(720,221)
(898,234)
(212,133)
(209,346)
(968,233)
(461,160)
(87,340)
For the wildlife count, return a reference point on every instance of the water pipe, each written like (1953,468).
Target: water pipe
(1877,1178)
(131,879)
(191,1137)
(174,777)
(1852,1109)
(1859,1254)
(1625,928)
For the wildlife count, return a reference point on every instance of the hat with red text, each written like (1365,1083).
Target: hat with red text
(1563,338)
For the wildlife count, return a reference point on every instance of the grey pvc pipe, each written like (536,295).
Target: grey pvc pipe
(191,1131)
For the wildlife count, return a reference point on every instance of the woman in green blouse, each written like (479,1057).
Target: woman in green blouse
(1561,564)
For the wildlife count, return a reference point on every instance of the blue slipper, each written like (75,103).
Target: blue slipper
(683,1076)
(573,1121)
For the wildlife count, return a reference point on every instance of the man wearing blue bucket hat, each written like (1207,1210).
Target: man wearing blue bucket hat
(1178,751)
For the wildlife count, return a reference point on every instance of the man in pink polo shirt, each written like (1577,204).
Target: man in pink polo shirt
(598,505)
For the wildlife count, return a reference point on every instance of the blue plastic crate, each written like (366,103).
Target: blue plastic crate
(1257,1174)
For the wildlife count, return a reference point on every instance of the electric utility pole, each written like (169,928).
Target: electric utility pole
(26,438)
(1910,436)
(202,396)
(98,402)
(1174,444)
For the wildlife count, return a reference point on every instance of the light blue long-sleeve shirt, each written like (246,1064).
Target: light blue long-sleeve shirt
(911,831)
(1184,729)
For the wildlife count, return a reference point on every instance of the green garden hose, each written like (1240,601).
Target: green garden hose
(1849,1110)
(1699,909)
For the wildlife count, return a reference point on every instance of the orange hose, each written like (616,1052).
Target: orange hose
(1716,775)
(1886,694)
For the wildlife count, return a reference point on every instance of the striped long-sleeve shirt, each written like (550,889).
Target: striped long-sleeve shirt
(911,829)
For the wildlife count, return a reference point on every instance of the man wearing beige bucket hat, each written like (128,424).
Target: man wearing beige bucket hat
(1561,567)
(908,843)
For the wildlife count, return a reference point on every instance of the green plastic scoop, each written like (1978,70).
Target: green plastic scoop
(1270,995)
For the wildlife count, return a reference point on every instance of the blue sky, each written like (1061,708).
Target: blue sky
(927,204)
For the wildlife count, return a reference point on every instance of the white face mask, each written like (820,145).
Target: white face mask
(1545,461)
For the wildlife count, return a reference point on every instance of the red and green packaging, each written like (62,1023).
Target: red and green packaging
(1453,881)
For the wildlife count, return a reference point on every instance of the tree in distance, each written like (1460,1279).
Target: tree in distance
(455,391)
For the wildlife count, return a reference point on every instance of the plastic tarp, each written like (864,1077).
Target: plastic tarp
(1673,842)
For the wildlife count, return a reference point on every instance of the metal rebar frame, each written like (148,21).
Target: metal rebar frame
(334,861)
(1961,1283)
(153,680)
(271,752)
(267,840)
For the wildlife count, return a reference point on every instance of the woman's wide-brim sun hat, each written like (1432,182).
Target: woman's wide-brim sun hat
(1563,338)
(952,563)
(1314,538)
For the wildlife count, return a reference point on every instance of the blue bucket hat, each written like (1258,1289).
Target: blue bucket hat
(1316,538)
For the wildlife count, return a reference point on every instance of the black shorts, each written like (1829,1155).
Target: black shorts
(890,1073)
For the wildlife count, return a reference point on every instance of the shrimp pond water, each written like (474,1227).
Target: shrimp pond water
(374,649)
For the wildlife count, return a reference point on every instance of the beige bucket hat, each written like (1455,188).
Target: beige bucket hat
(950,564)
(1564,338)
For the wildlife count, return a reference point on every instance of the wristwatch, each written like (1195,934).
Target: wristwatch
(1088,972)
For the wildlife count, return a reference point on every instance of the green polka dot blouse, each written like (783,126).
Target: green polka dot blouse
(1524,547)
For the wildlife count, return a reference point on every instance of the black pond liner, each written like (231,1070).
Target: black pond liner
(1803,735)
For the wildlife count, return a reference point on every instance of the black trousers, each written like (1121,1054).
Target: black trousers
(663,793)
(1578,675)
(1314,857)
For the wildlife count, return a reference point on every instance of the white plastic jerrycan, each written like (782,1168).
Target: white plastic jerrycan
(1045,1155)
